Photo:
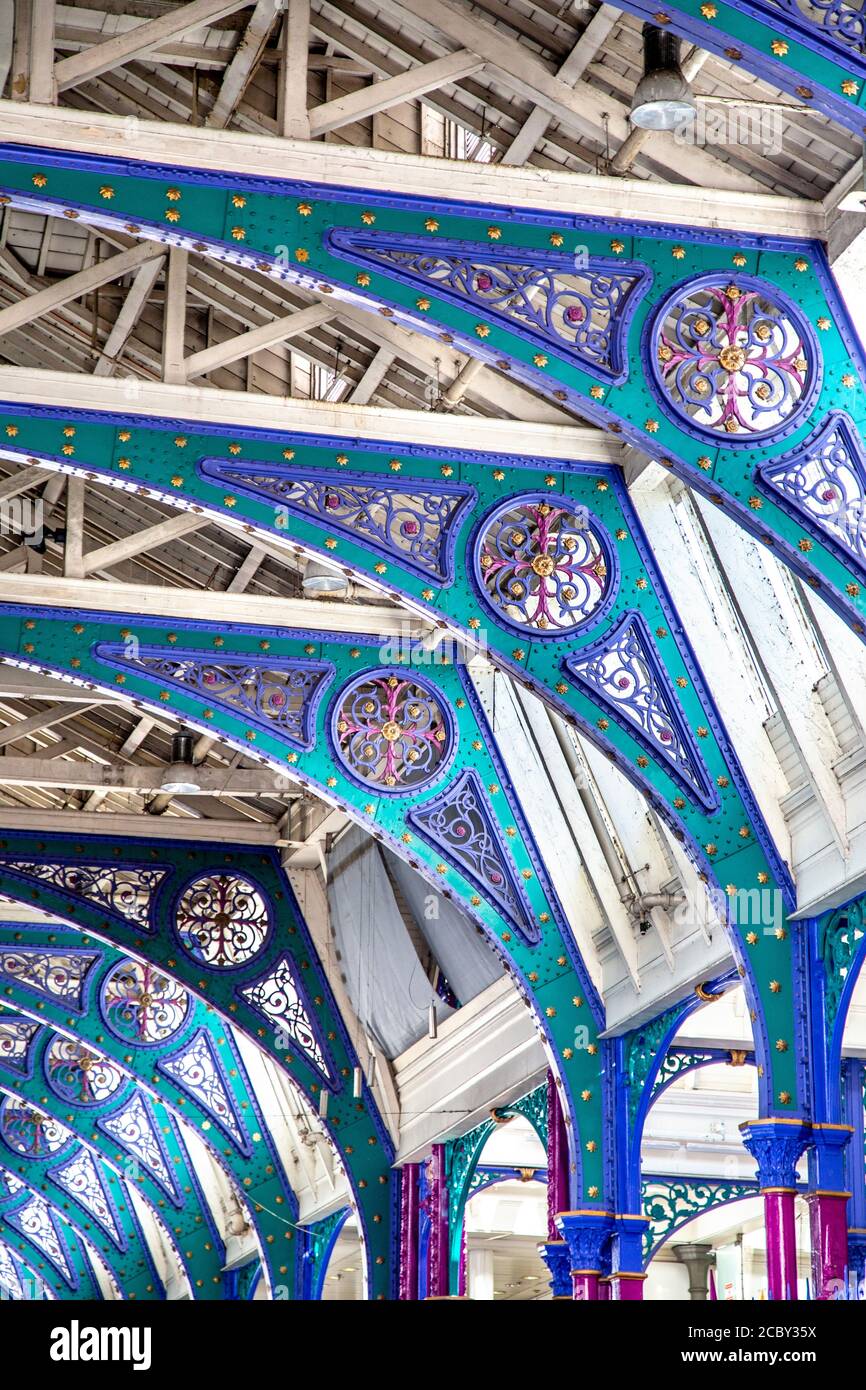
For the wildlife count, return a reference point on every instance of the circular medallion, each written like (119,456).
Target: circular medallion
(391,731)
(76,1074)
(222,920)
(543,565)
(733,357)
(143,1006)
(29,1131)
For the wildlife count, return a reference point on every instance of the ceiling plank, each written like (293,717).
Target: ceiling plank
(406,86)
(33,306)
(244,63)
(144,38)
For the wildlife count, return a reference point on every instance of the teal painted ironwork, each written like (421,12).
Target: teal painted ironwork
(547,970)
(250,1157)
(679,1061)
(686,770)
(462,1156)
(308,236)
(669,1203)
(187,1220)
(319,1239)
(131,1268)
(843,939)
(642,1052)
(53,1250)
(215,999)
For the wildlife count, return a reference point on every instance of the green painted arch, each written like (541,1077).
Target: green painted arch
(131,1269)
(354,1128)
(462,1157)
(74,1250)
(189,1226)
(731,845)
(20,1282)
(547,970)
(732,848)
(257,1174)
(670,1203)
(286,230)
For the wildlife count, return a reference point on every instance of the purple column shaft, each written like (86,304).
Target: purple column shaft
(558,1161)
(409,1212)
(437,1258)
(828,1225)
(781,1243)
(627,1288)
(585,1287)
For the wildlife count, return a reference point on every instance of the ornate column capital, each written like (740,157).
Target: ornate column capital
(776,1145)
(698,1260)
(557,1257)
(587,1234)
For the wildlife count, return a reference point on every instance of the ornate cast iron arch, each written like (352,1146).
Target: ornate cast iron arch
(243,227)
(368,1172)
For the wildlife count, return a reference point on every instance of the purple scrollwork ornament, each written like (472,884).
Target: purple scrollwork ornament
(391,732)
(733,357)
(222,920)
(543,564)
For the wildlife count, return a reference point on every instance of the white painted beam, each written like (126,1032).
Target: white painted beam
(74,286)
(156,601)
(573,68)
(239,832)
(144,38)
(42,86)
(373,377)
(338,166)
(243,63)
(47,719)
(246,344)
(136,297)
(20,385)
(292,120)
(174,322)
(406,86)
(83,775)
(107,556)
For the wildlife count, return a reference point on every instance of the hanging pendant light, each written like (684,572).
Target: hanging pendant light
(663,98)
(180,776)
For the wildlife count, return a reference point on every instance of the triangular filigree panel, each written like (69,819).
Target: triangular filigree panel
(579,307)
(197,1069)
(277,997)
(823,486)
(126,890)
(413,522)
(279,699)
(80,1177)
(623,673)
(35,1220)
(461,825)
(134,1128)
(16,1035)
(58,975)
